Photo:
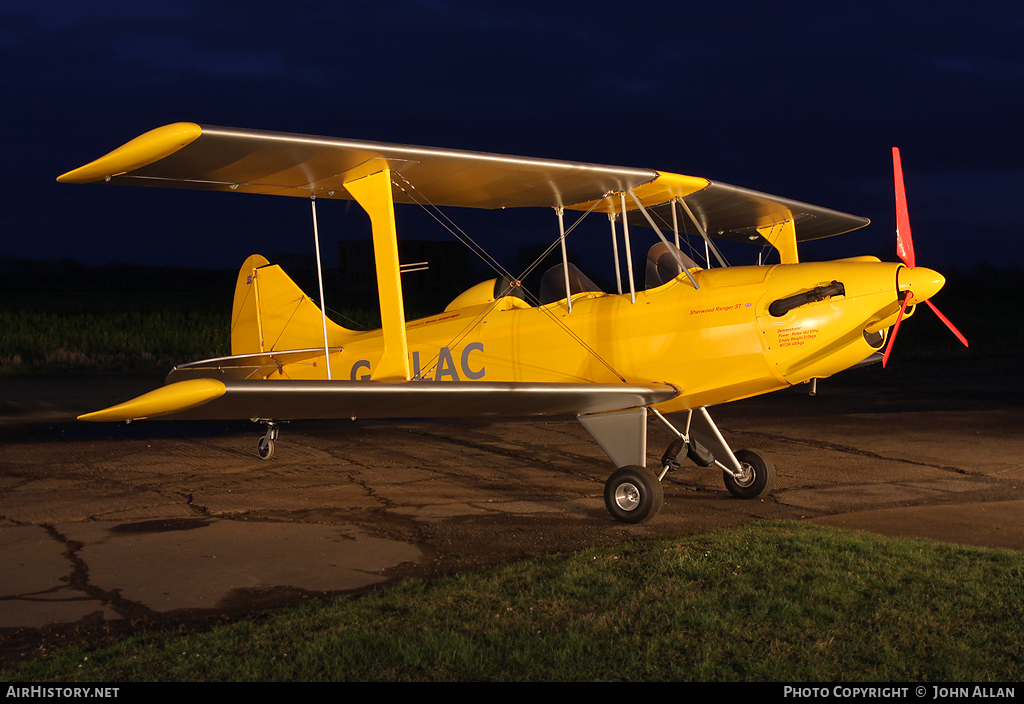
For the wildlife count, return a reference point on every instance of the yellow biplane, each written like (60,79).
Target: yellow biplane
(691,337)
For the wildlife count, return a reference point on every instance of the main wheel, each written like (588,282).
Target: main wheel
(758,475)
(265,448)
(633,494)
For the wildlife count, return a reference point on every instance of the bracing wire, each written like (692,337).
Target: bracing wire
(477,249)
(694,254)
(288,322)
(446,222)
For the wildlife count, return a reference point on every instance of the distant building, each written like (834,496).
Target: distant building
(439,268)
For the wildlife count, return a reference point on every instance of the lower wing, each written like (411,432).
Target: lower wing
(228,399)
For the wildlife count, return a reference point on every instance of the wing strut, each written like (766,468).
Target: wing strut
(565,257)
(629,254)
(320,279)
(374,194)
(675,223)
(703,233)
(615,253)
(782,236)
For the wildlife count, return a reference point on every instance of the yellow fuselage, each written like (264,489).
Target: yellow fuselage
(718,343)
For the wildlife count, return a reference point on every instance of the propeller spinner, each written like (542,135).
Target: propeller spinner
(913,277)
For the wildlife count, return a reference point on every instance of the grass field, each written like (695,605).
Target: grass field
(112,333)
(94,325)
(116,333)
(769,602)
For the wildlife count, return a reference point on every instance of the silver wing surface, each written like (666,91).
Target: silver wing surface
(286,400)
(283,399)
(204,157)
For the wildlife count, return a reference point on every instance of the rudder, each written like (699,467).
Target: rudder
(272,314)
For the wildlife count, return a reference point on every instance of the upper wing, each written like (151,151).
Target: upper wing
(228,399)
(727,211)
(187,155)
(736,213)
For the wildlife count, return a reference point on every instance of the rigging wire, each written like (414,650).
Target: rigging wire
(451,226)
(288,322)
(477,249)
(694,254)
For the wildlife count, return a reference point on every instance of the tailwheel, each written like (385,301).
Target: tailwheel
(756,478)
(633,494)
(265,446)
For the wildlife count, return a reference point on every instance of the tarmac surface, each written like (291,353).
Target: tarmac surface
(115,524)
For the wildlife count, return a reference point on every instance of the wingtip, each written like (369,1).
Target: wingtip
(173,398)
(144,149)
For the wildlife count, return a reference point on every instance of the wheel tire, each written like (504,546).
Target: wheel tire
(265,448)
(633,494)
(762,477)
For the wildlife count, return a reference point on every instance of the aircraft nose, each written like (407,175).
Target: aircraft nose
(923,283)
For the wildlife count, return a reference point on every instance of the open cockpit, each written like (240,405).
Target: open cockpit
(665,263)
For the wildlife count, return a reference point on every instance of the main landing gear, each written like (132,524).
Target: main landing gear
(633,494)
(755,478)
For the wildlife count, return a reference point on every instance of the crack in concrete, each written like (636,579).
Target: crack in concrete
(197,509)
(384,502)
(848,449)
(78,579)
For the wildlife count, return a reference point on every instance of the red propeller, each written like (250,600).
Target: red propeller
(905,250)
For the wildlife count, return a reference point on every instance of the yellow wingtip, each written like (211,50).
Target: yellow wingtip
(144,149)
(172,398)
(662,189)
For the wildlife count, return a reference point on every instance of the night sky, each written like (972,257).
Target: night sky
(798,99)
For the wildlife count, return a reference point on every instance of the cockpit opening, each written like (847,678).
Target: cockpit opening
(663,264)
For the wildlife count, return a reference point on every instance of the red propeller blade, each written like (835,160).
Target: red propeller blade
(948,324)
(895,329)
(905,250)
(904,241)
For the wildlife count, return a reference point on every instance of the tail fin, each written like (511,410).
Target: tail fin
(271,313)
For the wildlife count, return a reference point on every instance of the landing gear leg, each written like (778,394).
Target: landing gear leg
(265,447)
(695,452)
(748,474)
(634,494)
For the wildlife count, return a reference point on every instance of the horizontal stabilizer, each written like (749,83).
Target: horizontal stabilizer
(243,366)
